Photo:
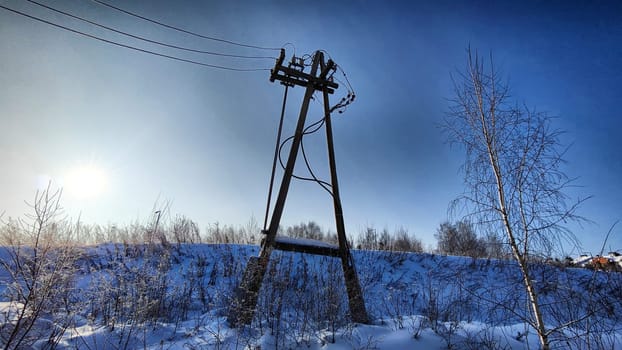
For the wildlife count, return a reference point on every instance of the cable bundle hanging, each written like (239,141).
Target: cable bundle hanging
(307,131)
(299,64)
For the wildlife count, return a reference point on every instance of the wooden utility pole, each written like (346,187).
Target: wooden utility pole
(243,307)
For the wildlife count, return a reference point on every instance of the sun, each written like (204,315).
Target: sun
(86,181)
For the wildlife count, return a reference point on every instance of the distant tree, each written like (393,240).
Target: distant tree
(309,230)
(400,240)
(459,239)
(447,239)
(385,240)
(185,230)
(222,234)
(514,180)
(368,239)
(496,248)
(405,242)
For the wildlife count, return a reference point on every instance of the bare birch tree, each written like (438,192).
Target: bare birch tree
(513,172)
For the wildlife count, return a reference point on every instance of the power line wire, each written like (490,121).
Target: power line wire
(183,30)
(346,77)
(132,47)
(146,39)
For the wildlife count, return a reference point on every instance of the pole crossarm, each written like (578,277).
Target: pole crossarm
(290,76)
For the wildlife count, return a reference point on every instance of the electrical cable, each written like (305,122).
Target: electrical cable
(317,125)
(325,185)
(321,122)
(183,30)
(292,45)
(307,57)
(345,101)
(146,39)
(340,106)
(132,47)
(346,77)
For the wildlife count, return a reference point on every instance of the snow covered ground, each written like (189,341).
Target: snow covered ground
(150,297)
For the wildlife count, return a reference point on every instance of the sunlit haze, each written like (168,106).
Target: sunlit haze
(85,181)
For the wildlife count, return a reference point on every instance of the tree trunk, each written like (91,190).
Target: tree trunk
(518,255)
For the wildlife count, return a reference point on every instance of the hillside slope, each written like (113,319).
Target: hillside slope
(152,297)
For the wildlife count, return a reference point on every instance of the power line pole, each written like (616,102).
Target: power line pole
(353,286)
(242,310)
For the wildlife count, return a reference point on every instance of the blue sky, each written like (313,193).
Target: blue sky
(203,138)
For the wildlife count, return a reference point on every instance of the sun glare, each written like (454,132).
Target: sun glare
(85,182)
